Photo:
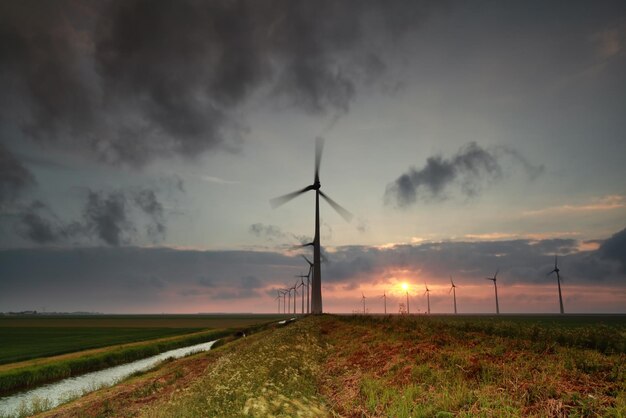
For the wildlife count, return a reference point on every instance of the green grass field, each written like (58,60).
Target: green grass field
(29,337)
(33,342)
(36,350)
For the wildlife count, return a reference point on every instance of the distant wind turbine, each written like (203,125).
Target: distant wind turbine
(384,297)
(427,293)
(278,299)
(289,304)
(316,296)
(302,286)
(363,299)
(558,281)
(308,284)
(295,297)
(453,290)
(283,291)
(495,286)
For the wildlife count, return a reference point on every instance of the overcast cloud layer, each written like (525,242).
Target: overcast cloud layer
(131,279)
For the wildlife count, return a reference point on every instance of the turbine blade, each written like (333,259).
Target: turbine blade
(281,200)
(497,271)
(450,291)
(307,260)
(550,272)
(319,147)
(340,210)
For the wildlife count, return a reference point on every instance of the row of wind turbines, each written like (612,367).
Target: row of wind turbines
(285,293)
(453,287)
(314,284)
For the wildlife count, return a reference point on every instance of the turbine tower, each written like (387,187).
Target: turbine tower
(316,295)
(427,293)
(558,281)
(453,290)
(495,286)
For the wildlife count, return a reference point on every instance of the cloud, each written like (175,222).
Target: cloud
(111,217)
(269,232)
(14,177)
(614,248)
(470,169)
(99,279)
(106,216)
(127,81)
(147,201)
(609,202)
(36,223)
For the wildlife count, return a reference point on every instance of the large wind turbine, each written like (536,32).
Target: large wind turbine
(558,281)
(453,289)
(316,295)
(495,286)
(427,293)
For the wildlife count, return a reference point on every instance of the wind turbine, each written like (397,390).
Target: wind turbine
(363,299)
(283,291)
(278,299)
(427,293)
(453,289)
(302,286)
(295,297)
(384,296)
(495,286)
(308,284)
(558,281)
(316,295)
(289,304)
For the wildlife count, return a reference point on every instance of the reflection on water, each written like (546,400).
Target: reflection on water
(53,394)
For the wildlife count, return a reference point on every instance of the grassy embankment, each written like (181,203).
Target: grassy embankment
(35,372)
(219,381)
(447,366)
(390,366)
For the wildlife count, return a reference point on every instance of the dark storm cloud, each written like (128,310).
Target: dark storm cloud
(470,169)
(37,224)
(106,217)
(129,80)
(14,177)
(147,201)
(110,217)
(614,248)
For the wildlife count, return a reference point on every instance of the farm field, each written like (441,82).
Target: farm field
(117,345)
(378,366)
(30,337)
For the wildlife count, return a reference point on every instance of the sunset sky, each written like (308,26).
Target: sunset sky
(141,142)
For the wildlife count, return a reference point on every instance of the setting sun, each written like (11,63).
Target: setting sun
(405,286)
